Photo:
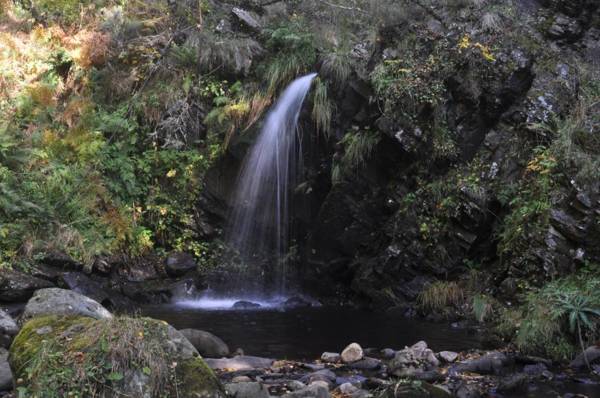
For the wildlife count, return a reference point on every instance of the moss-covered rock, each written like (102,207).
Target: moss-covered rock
(56,356)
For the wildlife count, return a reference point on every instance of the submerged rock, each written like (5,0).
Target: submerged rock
(207,344)
(296,302)
(50,350)
(245,305)
(56,301)
(352,353)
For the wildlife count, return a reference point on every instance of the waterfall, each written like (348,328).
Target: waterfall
(259,222)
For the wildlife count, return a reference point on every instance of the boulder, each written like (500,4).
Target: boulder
(179,263)
(352,353)
(56,301)
(207,344)
(6,377)
(242,362)
(8,329)
(330,357)
(166,364)
(17,286)
(83,284)
(591,353)
(245,305)
(247,390)
(411,359)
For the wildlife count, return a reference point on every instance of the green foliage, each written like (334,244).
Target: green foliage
(561,315)
(62,11)
(482,307)
(359,146)
(336,67)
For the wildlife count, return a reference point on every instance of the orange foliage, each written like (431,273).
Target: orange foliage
(42,94)
(89,48)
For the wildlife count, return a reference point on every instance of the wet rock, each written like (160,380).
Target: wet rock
(387,353)
(347,389)
(247,390)
(449,356)
(245,305)
(83,284)
(513,383)
(535,370)
(60,260)
(567,225)
(240,363)
(324,375)
(356,380)
(179,263)
(564,27)
(315,390)
(352,353)
(492,363)
(294,385)
(331,357)
(247,18)
(366,363)
(6,376)
(56,301)
(410,359)
(8,329)
(207,344)
(241,379)
(468,391)
(591,353)
(17,286)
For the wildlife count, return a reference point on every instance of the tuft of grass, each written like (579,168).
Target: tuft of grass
(336,67)
(322,108)
(482,307)
(439,295)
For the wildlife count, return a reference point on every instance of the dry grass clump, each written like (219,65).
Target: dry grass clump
(441,294)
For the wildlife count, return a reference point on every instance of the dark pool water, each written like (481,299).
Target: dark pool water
(303,334)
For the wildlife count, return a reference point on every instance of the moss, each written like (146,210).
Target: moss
(74,356)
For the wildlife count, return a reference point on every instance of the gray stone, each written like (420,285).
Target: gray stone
(179,263)
(513,383)
(352,353)
(388,353)
(592,354)
(207,344)
(17,286)
(56,301)
(240,363)
(419,356)
(491,363)
(247,18)
(8,329)
(315,390)
(247,390)
(241,379)
(449,356)
(330,357)
(366,363)
(6,377)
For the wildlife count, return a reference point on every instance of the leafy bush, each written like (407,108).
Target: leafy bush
(561,316)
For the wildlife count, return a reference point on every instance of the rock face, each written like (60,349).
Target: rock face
(352,353)
(16,286)
(8,329)
(246,18)
(64,346)
(178,264)
(207,344)
(56,301)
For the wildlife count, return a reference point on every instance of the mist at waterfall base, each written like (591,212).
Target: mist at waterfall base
(258,229)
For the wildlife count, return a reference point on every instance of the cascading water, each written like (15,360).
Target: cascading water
(259,222)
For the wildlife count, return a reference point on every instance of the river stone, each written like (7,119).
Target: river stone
(207,344)
(449,356)
(179,263)
(8,329)
(387,353)
(247,390)
(6,377)
(244,362)
(331,357)
(352,353)
(491,363)
(366,363)
(17,286)
(347,389)
(513,383)
(56,301)
(314,390)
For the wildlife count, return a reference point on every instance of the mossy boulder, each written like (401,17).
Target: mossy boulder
(57,356)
